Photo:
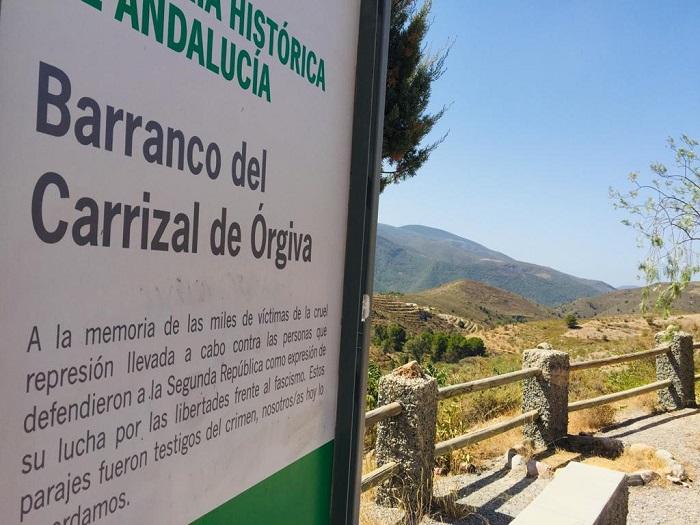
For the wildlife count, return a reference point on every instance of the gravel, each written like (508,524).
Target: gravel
(499,494)
(679,433)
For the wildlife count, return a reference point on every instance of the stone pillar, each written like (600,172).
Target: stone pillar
(408,439)
(549,393)
(677,365)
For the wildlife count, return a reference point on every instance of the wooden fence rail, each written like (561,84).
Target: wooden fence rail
(374,478)
(613,360)
(488,382)
(445,447)
(617,396)
(383,412)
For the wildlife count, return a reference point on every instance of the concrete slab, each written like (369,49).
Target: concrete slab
(579,495)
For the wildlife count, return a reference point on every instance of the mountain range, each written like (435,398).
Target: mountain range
(414,258)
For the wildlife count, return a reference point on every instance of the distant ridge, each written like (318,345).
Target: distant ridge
(414,257)
(627,301)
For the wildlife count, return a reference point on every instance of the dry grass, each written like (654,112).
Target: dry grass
(629,462)
(366,515)
(619,329)
(369,463)
(592,420)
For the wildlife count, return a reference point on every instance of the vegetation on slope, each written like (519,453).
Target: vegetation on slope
(413,258)
(483,304)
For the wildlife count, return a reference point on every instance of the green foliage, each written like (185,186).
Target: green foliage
(635,374)
(453,347)
(571,321)
(664,210)
(373,375)
(379,334)
(410,74)
(396,335)
(439,373)
(459,347)
(389,338)
(427,346)
(419,346)
(439,346)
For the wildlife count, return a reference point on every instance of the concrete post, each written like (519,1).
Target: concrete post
(677,365)
(408,439)
(548,393)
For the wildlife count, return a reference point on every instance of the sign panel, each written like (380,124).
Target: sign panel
(174,183)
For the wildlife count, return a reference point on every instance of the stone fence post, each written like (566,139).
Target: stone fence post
(548,393)
(678,366)
(408,439)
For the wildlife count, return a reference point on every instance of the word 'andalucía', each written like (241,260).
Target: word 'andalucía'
(172,27)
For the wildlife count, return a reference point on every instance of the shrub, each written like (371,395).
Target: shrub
(459,347)
(389,338)
(373,376)
(419,346)
(571,321)
(440,374)
(396,336)
(439,346)
(378,334)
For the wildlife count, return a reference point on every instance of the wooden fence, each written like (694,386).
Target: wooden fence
(395,408)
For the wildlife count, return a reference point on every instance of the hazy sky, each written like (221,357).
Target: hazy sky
(551,104)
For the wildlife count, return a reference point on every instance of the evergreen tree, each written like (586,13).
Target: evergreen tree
(410,73)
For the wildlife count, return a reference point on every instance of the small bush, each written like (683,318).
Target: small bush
(396,336)
(373,376)
(571,321)
(440,374)
(593,419)
(379,334)
(389,338)
(419,346)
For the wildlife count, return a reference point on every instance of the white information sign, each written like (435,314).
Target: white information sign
(173,207)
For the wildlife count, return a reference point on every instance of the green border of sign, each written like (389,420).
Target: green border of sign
(370,87)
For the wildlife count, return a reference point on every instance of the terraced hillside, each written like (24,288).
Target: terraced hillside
(415,319)
(486,305)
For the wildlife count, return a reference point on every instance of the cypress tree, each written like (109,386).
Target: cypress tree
(410,74)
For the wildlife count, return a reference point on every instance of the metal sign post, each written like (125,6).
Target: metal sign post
(370,86)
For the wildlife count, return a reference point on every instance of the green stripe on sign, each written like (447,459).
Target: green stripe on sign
(299,494)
